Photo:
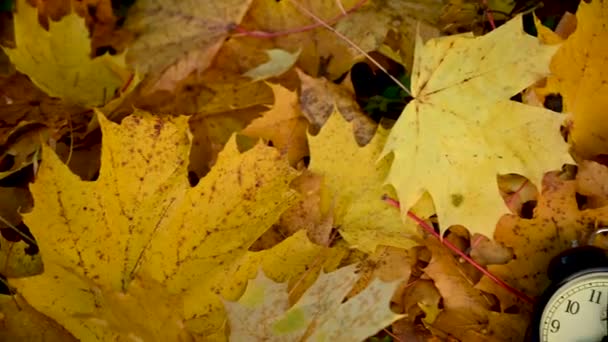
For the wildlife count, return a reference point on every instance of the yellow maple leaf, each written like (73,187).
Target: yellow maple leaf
(58,60)
(461,130)
(283,124)
(353,186)
(578,73)
(141,232)
(263,312)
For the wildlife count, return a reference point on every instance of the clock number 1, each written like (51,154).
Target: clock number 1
(595,296)
(572,307)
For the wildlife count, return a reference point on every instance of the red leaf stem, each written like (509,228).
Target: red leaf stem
(455,249)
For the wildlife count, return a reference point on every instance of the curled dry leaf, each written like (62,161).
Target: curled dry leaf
(23,104)
(419,300)
(387,264)
(203,27)
(283,125)
(21,322)
(591,183)
(466,312)
(516,190)
(319,98)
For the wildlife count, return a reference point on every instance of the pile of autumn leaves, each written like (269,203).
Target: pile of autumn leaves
(241,252)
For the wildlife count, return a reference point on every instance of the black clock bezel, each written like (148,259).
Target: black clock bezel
(543,300)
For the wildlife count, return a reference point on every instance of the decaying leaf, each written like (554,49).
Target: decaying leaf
(20,322)
(283,125)
(461,130)
(556,224)
(466,312)
(404,18)
(263,312)
(319,99)
(58,61)
(210,133)
(321,53)
(22,104)
(189,37)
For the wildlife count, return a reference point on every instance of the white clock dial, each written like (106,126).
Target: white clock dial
(577,311)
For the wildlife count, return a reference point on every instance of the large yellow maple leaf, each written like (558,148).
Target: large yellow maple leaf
(58,61)
(141,232)
(579,74)
(461,130)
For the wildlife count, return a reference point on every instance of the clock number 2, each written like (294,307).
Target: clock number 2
(572,307)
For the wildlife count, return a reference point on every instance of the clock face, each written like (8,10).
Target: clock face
(577,311)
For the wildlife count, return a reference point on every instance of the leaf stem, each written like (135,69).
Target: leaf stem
(352,44)
(489,14)
(519,294)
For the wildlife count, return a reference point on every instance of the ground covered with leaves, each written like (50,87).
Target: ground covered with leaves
(318,170)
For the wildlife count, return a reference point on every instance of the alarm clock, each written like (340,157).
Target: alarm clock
(575,306)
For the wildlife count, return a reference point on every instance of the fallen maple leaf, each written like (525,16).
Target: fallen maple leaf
(210,133)
(141,232)
(578,73)
(353,186)
(320,97)
(283,125)
(20,322)
(23,104)
(58,61)
(557,222)
(405,18)
(263,312)
(466,312)
(461,130)
(317,44)
(188,39)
